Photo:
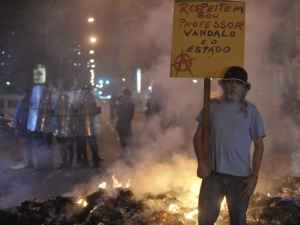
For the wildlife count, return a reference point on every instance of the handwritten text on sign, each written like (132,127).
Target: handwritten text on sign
(208,37)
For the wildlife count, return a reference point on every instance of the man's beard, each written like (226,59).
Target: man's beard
(233,95)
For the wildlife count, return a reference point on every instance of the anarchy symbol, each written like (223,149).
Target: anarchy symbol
(183,63)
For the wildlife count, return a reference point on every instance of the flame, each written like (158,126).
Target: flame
(191,215)
(82,203)
(127,185)
(173,208)
(103,185)
(223,204)
(116,183)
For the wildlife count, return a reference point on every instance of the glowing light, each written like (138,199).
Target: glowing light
(224,204)
(116,183)
(108,97)
(195,81)
(173,208)
(92,60)
(127,185)
(93,66)
(139,80)
(82,203)
(191,215)
(123,79)
(91,52)
(8,83)
(103,185)
(107,82)
(78,53)
(93,39)
(99,92)
(92,78)
(91,20)
(150,88)
(100,84)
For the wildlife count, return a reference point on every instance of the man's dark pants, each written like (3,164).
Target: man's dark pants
(213,189)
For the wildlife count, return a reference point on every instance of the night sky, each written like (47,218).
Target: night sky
(53,32)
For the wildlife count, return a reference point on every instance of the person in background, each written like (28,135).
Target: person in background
(153,106)
(124,114)
(87,110)
(20,125)
(64,131)
(235,124)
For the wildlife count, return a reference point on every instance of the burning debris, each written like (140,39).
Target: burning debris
(119,206)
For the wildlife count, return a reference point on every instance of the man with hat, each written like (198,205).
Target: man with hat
(234,124)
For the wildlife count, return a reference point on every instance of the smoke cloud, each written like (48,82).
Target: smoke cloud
(269,63)
(139,33)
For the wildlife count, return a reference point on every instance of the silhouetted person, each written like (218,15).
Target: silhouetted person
(20,124)
(87,110)
(124,113)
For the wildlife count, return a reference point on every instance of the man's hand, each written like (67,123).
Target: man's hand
(203,171)
(250,182)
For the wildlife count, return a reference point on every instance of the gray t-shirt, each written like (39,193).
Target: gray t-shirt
(232,132)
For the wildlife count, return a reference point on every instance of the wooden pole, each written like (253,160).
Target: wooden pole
(206,126)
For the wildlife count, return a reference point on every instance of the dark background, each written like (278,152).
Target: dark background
(52,32)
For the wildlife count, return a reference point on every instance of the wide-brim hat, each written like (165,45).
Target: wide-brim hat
(237,73)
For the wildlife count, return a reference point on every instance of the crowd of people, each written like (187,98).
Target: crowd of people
(69,121)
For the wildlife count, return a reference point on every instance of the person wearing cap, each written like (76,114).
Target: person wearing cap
(235,124)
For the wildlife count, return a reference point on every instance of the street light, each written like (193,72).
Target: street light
(93,39)
(91,19)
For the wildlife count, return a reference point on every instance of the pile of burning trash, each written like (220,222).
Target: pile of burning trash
(119,206)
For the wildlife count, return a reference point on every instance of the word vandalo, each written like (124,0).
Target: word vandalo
(210,33)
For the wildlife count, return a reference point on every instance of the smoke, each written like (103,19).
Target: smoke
(268,56)
(139,33)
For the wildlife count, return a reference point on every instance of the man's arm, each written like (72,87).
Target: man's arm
(197,142)
(203,169)
(251,181)
(257,156)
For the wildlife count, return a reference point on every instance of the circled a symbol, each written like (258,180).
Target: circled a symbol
(183,63)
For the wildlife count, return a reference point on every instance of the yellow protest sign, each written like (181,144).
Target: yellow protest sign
(208,37)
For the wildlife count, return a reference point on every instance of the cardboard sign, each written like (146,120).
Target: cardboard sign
(208,37)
